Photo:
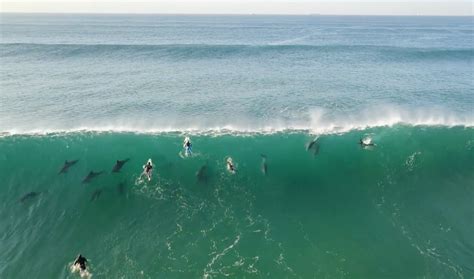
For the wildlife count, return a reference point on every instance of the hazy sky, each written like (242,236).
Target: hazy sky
(349,7)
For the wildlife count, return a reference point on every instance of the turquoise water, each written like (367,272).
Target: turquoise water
(98,88)
(400,209)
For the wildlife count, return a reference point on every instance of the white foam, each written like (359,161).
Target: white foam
(315,121)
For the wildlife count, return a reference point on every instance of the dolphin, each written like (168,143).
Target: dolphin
(121,187)
(202,174)
(264,166)
(119,164)
(316,150)
(96,194)
(313,145)
(67,165)
(90,176)
(29,196)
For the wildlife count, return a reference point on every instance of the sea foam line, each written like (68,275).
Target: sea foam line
(316,121)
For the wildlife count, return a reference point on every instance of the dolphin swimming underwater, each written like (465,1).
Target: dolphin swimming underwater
(316,149)
(311,144)
(67,165)
(314,145)
(264,167)
(121,187)
(202,174)
(119,164)
(91,175)
(96,194)
(29,196)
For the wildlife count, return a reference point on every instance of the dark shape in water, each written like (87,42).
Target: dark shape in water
(96,194)
(264,167)
(202,174)
(29,196)
(121,188)
(119,164)
(90,176)
(67,165)
(81,261)
(316,149)
(313,145)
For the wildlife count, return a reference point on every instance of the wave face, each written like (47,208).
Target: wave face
(99,88)
(313,213)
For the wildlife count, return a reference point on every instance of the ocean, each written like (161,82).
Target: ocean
(288,98)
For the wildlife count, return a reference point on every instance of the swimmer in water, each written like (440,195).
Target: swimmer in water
(147,169)
(230,165)
(187,145)
(81,262)
(366,142)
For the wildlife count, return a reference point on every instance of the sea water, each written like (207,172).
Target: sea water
(101,88)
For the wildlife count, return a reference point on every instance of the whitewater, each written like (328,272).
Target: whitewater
(288,98)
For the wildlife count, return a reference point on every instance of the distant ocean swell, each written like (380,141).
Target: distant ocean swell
(201,51)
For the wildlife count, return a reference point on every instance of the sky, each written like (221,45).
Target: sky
(335,7)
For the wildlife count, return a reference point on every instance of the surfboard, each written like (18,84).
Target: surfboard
(229,162)
(75,268)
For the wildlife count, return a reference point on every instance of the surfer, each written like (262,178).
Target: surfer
(230,165)
(147,169)
(366,142)
(187,145)
(81,262)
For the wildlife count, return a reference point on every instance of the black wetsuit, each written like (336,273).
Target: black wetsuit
(148,168)
(81,261)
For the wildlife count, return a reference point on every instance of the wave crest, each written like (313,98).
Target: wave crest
(315,121)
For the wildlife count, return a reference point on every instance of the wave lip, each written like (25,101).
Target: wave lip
(328,129)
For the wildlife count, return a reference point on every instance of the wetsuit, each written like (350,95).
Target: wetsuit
(81,261)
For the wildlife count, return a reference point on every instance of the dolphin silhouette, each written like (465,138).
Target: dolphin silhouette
(202,174)
(119,164)
(96,194)
(121,187)
(67,165)
(313,145)
(29,196)
(264,167)
(316,150)
(90,176)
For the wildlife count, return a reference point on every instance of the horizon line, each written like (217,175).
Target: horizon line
(231,14)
